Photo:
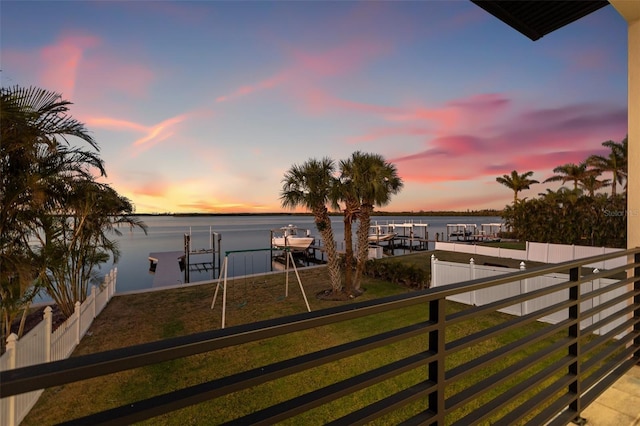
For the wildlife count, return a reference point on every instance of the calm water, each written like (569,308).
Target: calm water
(166,233)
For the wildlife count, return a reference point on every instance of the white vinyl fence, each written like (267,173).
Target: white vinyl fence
(538,252)
(443,273)
(41,345)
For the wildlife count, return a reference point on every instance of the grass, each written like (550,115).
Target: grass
(146,317)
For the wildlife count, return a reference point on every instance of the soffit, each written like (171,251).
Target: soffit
(536,19)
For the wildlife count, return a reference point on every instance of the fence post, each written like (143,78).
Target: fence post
(114,282)
(48,320)
(546,257)
(93,299)
(524,288)
(433,272)
(12,402)
(78,316)
(472,269)
(472,276)
(595,285)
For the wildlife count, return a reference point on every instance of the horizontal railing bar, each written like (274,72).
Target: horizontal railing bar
(607,288)
(469,367)
(182,398)
(514,392)
(548,416)
(510,301)
(608,353)
(305,402)
(496,330)
(608,319)
(386,405)
(597,387)
(73,369)
(537,400)
(480,283)
(610,335)
(490,382)
(425,417)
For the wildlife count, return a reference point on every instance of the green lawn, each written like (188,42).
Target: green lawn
(134,319)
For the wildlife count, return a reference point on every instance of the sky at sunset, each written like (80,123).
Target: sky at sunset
(203,106)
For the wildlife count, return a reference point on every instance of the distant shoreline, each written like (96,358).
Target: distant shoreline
(380,213)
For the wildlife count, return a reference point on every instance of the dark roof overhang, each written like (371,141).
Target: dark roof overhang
(536,19)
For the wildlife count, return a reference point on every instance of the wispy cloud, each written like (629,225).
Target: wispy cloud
(152,134)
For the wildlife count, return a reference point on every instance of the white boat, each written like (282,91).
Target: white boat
(380,233)
(288,237)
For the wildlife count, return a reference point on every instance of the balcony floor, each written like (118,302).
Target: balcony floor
(619,405)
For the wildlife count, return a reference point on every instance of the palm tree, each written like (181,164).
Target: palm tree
(42,176)
(374,182)
(591,184)
(517,182)
(615,162)
(34,128)
(311,185)
(571,172)
(75,243)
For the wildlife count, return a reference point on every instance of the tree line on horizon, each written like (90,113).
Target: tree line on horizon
(585,213)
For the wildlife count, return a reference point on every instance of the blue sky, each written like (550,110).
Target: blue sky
(203,106)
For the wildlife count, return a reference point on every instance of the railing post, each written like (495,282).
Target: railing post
(636,300)
(524,288)
(48,320)
(12,402)
(437,315)
(78,319)
(575,387)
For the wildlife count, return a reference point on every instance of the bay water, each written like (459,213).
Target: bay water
(237,232)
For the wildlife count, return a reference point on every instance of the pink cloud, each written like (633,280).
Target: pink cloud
(384,132)
(62,61)
(80,62)
(245,90)
(307,69)
(152,134)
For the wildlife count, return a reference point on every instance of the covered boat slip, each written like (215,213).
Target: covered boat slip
(469,232)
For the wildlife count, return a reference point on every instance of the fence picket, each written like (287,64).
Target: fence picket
(42,345)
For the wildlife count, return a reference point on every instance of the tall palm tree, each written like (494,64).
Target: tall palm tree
(571,172)
(517,182)
(311,185)
(615,162)
(374,182)
(345,191)
(591,184)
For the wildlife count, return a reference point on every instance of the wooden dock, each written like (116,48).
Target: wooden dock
(165,267)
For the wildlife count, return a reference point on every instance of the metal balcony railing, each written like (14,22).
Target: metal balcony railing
(547,376)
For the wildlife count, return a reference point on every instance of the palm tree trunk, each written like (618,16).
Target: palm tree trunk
(363,244)
(323,223)
(348,257)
